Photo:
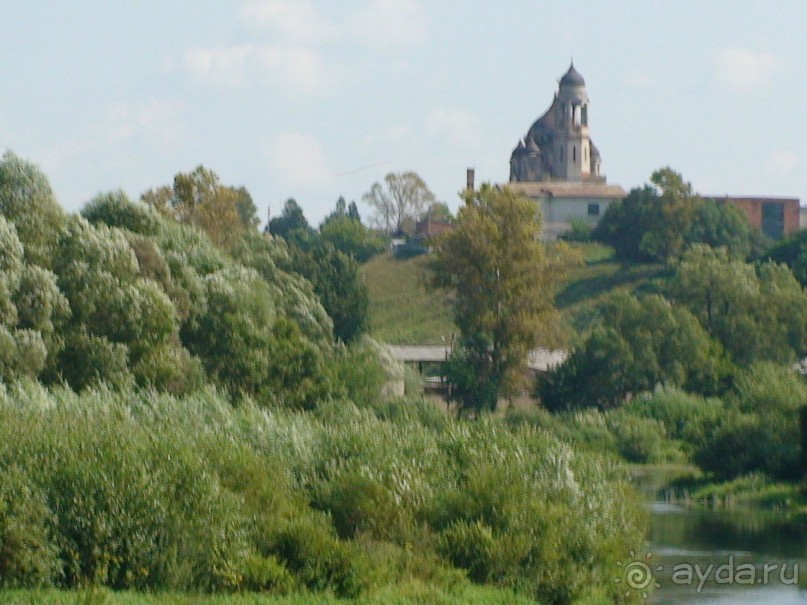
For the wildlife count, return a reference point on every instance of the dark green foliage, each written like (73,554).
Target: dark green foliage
(659,221)
(723,225)
(760,429)
(640,343)
(291,225)
(340,287)
(791,251)
(114,209)
(468,371)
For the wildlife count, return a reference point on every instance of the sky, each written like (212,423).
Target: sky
(314,99)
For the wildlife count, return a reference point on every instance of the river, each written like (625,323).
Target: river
(717,556)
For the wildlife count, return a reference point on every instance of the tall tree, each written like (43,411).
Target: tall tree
(198,198)
(400,202)
(291,224)
(503,282)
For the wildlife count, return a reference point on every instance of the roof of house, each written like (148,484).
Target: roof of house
(538,359)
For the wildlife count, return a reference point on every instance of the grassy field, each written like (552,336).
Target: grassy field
(413,593)
(404,312)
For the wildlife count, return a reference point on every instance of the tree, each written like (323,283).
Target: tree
(400,203)
(339,285)
(757,313)
(353,212)
(291,225)
(717,225)
(198,198)
(352,238)
(503,283)
(638,344)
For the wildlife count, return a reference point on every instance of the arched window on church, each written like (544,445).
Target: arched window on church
(574,153)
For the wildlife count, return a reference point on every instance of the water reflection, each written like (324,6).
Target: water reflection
(719,557)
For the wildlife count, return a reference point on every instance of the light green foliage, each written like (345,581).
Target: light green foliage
(27,200)
(154,492)
(757,314)
(198,198)
(351,237)
(503,282)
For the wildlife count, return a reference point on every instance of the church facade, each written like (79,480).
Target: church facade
(558,165)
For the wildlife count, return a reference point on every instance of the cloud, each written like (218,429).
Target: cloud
(458,126)
(390,23)
(782,162)
(297,30)
(744,70)
(297,69)
(299,161)
(158,122)
(294,21)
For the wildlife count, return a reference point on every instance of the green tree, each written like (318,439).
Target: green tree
(717,225)
(399,202)
(340,287)
(674,210)
(625,222)
(351,237)
(638,344)
(26,200)
(198,198)
(291,225)
(756,313)
(503,282)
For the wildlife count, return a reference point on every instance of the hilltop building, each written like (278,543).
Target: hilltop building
(558,165)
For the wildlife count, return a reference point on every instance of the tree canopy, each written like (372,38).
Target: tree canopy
(662,219)
(399,202)
(503,281)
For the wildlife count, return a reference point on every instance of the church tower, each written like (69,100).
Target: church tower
(572,144)
(558,146)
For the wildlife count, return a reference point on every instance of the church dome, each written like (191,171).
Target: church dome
(532,146)
(572,78)
(520,149)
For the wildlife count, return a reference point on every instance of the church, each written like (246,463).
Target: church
(558,165)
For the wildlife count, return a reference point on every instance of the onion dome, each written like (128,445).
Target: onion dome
(572,78)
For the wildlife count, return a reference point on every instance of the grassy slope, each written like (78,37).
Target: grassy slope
(403,312)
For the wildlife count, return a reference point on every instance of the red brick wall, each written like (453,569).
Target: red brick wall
(752,206)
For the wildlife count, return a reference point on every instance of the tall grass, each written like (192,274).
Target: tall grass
(151,491)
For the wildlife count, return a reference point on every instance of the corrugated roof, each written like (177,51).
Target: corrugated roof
(538,359)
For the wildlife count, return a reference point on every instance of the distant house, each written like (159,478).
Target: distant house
(429,227)
(775,217)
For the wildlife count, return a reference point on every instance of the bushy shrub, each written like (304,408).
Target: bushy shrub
(638,439)
(28,554)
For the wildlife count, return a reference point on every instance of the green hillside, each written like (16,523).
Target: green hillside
(404,312)
(401,309)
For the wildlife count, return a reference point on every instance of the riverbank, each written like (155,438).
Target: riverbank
(688,485)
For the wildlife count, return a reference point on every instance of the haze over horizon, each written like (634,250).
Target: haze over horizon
(312,100)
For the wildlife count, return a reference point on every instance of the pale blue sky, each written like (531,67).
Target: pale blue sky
(314,99)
